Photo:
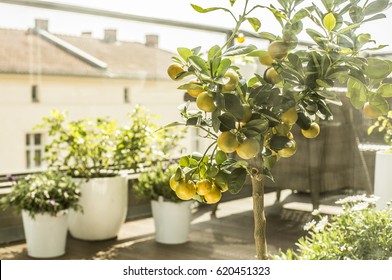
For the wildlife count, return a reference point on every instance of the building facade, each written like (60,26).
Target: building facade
(85,76)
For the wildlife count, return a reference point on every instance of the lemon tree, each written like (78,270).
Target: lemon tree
(249,121)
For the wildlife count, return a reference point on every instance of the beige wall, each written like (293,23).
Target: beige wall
(81,97)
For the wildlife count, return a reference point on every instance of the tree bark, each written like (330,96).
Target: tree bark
(256,166)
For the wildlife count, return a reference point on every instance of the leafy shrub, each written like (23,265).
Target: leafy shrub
(90,148)
(360,233)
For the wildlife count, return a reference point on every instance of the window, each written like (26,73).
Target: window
(34,150)
(34,94)
(127,95)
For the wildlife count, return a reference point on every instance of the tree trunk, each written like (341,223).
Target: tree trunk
(258,207)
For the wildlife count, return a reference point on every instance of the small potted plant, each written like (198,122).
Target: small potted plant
(96,151)
(172,216)
(44,200)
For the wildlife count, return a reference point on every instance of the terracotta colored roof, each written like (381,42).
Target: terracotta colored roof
(27,52)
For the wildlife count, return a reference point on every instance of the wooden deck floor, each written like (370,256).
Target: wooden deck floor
(229,235)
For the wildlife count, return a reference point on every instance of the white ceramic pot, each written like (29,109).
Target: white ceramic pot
(46,235)
(104,202)
(383,178)
(172,221)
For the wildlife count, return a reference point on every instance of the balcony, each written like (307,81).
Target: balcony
(228,235)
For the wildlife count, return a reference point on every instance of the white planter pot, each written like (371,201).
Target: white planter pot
(105,203)
(172,221)
(46,235)
(383,178)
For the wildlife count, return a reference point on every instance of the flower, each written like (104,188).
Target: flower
(321,224)
(360,206)
(309,225)
(316,212)
(358,199)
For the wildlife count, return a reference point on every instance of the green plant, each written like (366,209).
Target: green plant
(154,181)
(46,192)
(383,125)
(360,233)
(89,148)
(296,79)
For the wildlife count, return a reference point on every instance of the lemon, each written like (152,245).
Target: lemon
(248,149)
(227,142)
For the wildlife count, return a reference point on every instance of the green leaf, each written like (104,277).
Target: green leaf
(356,91)
(190,86)
(193,121)
(220,157)
(228,121)
(376,7)
(377,68)
(290,38)
(328,4)
(278,15)
(325,83)
(268,36)
(283,3)
(376,17)
(258,125)
(232,2)
(233,105)
(214,57)
(200,64)
(385,90)
(363,39)
(207,10)
(212,171)
(237,180)
(295,28)
(267,173)
(178,174)
(184,161)
(379,103)
(303,13)
(215,119)
(316,36)
(173,124)
(295,61)
(329,21)
(303,121)
(270,161)
(278,142)
(213,52)
(239,50)
(255,23)
(356,14)
(223,67)
(348,28)
(184,53)
(219,100)
(357,75)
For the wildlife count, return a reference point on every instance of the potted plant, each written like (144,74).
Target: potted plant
(44,200)
(172,216)
(248,120)
(95,151)
(382,174)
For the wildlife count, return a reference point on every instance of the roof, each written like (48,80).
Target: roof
(28,52)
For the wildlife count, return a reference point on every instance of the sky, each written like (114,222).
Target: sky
(18,17)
